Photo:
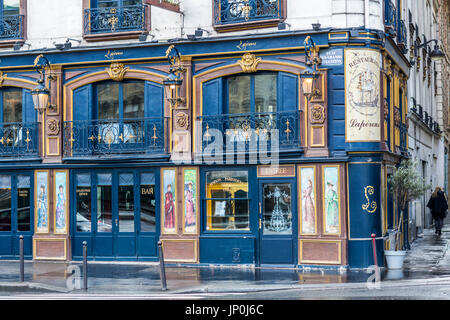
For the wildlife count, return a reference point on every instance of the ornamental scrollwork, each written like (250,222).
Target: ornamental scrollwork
(249,63)
(317,114)
(181,121)
(53,127)
(370,207)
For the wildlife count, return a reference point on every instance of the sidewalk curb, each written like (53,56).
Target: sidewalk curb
(32,286)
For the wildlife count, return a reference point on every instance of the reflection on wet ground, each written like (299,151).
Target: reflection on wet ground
(429,257)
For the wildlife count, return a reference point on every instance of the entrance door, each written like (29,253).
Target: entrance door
(115,212)
(16,212)
(278,222)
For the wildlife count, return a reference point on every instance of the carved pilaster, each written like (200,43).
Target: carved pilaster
(316,144)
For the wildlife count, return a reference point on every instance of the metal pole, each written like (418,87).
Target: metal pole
(162,267)
(22,259)
(84,265)
(374,247)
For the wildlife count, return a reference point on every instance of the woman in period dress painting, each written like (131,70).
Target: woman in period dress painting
(189,206)
(60,209)
(169,213)
(332,209)
(42,208)
(309,216)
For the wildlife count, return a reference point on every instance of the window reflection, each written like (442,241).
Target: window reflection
(239,94)
(126,202)
(5,203)
(227,200)
(23,203)
(83,202)
(148,202)
(104,202)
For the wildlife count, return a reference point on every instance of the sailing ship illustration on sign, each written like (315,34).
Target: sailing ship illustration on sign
(364,93)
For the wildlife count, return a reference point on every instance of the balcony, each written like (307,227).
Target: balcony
(250,131)
(11,27)
(390,18)
(113,20)
(100,138)
(19,140)
(240,14)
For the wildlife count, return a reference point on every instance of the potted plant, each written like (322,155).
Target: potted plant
(406,185)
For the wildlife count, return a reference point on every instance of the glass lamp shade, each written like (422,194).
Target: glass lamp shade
(436,54)
(40,96)
(307,85)
(172,85)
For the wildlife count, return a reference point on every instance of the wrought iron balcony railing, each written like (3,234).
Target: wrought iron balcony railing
(249,128)
(11,27)
(88,138)
(238,11)
(390,18)
(19,139)
(114,19)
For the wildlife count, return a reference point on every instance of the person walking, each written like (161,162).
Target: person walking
(438,205)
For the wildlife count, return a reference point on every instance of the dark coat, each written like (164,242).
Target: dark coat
(438,205)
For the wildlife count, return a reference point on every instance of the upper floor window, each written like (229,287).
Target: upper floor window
(11,26)
(117,117)
(18,126)
(248,107)
(230,15)
(115,16)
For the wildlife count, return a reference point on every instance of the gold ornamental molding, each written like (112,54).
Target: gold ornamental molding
(2,78)
(117,71)
(249,62)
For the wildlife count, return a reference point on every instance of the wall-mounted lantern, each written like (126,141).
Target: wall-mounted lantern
(41,93)
(436,54)
(309,77)
(172,83)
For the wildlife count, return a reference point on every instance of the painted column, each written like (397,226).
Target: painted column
(363,134)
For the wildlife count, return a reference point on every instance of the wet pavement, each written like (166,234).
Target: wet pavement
(428,260)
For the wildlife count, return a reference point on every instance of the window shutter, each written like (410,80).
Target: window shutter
(288,92)
(82,103)
(212,97)
(154,100)
(28,111)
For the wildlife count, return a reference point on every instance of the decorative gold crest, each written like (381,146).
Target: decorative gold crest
(53,126)
(249,62)
(317,114)
(181,121)
(370,207)
(117,71)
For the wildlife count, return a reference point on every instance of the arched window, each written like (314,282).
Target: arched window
(18,127)
(112,117)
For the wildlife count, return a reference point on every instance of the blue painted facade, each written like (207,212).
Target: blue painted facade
(85,151)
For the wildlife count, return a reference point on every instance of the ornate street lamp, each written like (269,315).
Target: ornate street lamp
(436,54)
(41,93)
(172,83)
(309,78)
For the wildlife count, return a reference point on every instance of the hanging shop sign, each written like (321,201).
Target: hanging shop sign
(362,95)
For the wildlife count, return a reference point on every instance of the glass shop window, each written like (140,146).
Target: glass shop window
(126,202)
(5,203)
(104,202)
(83,202)
(23,203)
(227,202)
(148,202)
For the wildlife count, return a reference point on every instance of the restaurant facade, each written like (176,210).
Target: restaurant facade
(242,166)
